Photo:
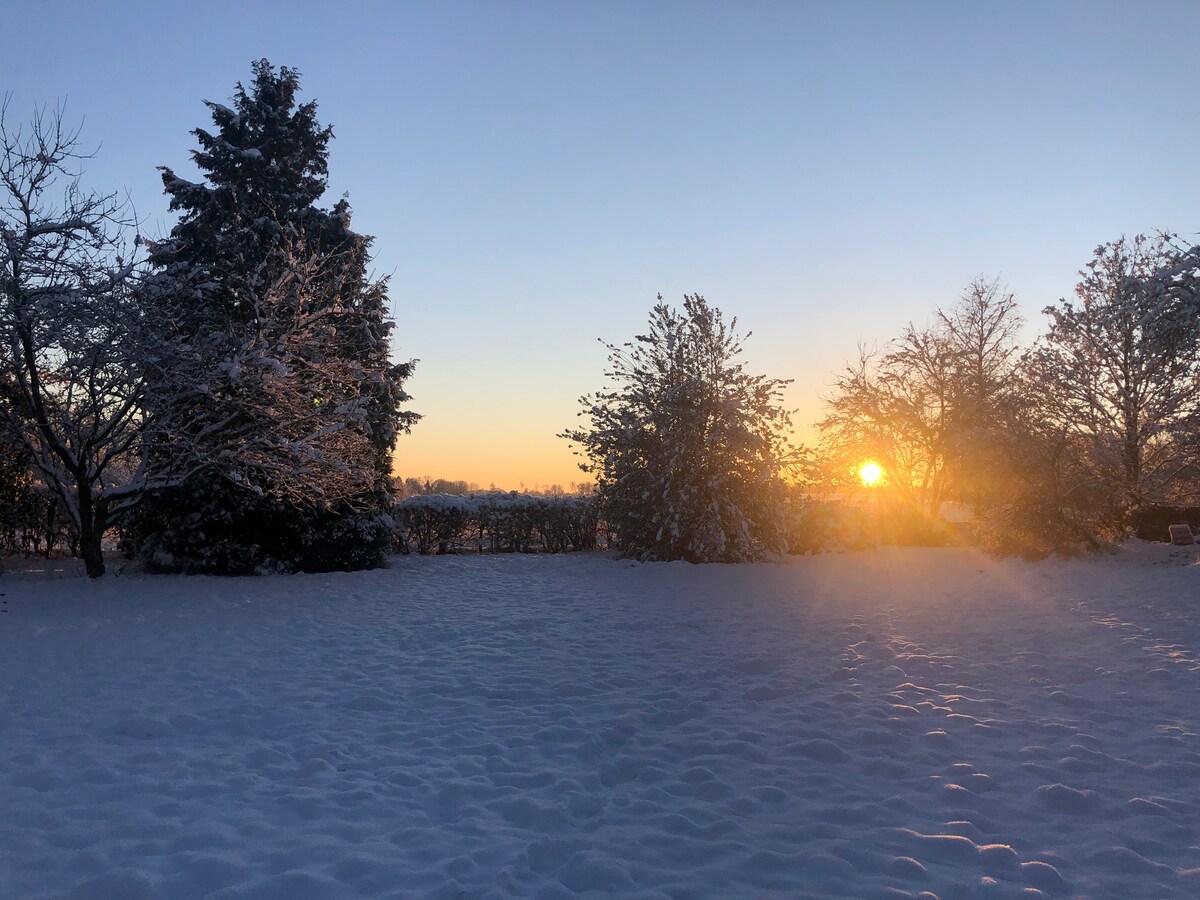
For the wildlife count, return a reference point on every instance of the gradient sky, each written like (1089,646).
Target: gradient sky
(534,173)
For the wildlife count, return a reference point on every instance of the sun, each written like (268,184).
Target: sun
(870,473)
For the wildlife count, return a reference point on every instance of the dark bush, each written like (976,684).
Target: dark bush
(209,527)
(1151,522)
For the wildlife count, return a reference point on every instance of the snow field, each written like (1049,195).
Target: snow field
(858,725)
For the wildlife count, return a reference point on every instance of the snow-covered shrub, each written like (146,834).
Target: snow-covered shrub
(503,521)
(519,523)
(688,447)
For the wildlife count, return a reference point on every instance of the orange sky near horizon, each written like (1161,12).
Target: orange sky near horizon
(513,460)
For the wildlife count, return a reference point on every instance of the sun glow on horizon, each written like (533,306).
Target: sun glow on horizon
(870,473)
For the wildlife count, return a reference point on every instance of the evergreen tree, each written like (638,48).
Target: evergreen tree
(688,448)
(299,331)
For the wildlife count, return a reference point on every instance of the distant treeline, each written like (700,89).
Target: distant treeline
(412,487)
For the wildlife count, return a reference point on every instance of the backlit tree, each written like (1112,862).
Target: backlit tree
(688,448)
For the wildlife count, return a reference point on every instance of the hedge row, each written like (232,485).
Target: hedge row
(495,521)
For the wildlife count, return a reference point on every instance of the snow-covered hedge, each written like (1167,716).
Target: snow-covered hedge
(495,521)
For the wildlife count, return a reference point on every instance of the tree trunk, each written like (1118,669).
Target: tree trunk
(93,520)
(1132,460)
(93,556)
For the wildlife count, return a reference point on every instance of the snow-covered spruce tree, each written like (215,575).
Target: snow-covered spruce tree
(301,363)
(687,447)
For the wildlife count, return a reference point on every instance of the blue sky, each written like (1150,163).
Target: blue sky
(534,173)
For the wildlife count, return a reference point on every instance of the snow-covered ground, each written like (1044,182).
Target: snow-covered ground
(859,725)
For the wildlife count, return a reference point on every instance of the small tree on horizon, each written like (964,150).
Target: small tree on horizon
(688,448)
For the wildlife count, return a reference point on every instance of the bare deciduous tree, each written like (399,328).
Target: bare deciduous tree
(1119,369)
(68,323)
(925,406)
